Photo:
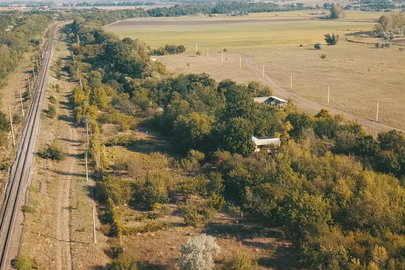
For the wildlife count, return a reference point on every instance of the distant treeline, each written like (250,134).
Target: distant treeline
(109,16)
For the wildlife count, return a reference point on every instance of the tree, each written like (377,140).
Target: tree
(23,263)
(336,12)
(196,253)
(331,39)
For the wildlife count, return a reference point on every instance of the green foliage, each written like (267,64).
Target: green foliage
(153,188)
(318,46)
(52,100)
(241,261)
(336,12)
(51,112)
(123,140)
(53,151)
(331,39)
(169,49)
(191,215)
(116,251)
(124,262)
(23,263)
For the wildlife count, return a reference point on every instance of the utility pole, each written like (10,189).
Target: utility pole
(328,93)
(87,131)
(11,124)
(80,79)
(291,82)
(33,76)
(94,224)
(29,86)
(22,105)
(378,108)
(87,170)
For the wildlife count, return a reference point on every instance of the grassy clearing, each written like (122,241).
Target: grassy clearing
(359,75)
(227,34)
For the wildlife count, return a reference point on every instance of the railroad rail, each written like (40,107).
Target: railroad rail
(19,173)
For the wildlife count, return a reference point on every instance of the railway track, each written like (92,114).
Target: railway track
(19,174)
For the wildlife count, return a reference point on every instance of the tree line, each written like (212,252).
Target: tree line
(336,191)
(18,34)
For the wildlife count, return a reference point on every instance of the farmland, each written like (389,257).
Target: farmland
(359,75)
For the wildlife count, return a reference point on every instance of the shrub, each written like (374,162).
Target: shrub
(196,253)
(331,39)
(401,49)
(53,151)
(198,53)
(23,263)
(116,251)
(323,56)
(51,112)
(191,215)
(387,44)
(318,46)
(124,262)
(378,45)
(28,208)
(241,261)
(52,100)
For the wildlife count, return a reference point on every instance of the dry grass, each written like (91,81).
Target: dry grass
(359,75)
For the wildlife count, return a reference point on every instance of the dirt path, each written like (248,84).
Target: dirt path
(309,106)
(64,256)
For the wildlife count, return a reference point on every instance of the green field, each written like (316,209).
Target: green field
(228,34)
(359,75)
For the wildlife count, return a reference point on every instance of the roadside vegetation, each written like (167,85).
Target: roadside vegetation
(334,190)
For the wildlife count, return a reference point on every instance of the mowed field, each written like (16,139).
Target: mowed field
(358,75)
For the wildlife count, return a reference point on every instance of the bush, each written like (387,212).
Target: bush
(53,151)
(241,261)
(378,45)
(197,252)
(191,215)
(51,112)
(331,39)
(318,46)
(116,251)
(401,49)
(124,262)
(323,56)
(23,263)
(52,100)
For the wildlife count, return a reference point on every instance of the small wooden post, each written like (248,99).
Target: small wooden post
(196,47)
(240,62)
(222,55)
(378,108)
(207,50)
(11,124)
(328,93)
(263,71)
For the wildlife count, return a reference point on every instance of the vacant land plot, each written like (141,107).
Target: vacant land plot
(358,75)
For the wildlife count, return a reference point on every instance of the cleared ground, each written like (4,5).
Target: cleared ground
(359,75)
